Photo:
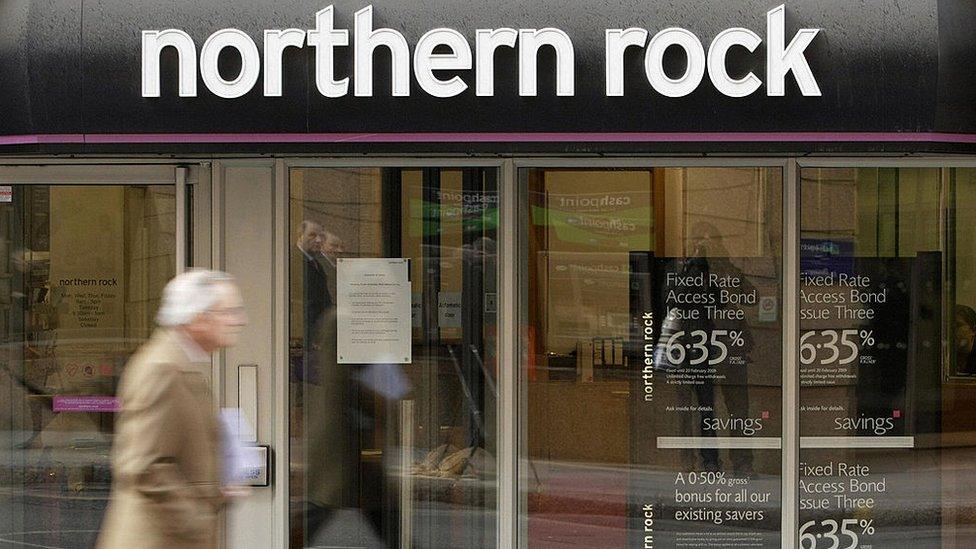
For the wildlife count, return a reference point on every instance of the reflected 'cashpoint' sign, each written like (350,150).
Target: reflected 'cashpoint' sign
(432,71)
(610,220)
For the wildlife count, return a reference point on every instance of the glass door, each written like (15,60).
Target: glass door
(84,254)
(652,374)
(887,377)
(392,340)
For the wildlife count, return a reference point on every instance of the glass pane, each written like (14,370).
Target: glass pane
(81,271)
(390,451)
(887,326)
(653,382)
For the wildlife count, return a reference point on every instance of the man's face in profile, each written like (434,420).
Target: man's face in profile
(313,237)
(332,245)
(220,327)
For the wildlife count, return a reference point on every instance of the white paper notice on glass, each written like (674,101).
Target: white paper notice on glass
(373,311)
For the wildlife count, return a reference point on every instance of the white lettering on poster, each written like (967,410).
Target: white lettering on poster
(430,60)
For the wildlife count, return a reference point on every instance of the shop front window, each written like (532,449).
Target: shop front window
(81,271)
(393,369)
(652,380)
(887,387)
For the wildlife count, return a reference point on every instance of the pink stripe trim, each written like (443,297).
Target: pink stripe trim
(42,139)
(86,403)
(461,137)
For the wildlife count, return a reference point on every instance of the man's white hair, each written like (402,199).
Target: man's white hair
(189,294)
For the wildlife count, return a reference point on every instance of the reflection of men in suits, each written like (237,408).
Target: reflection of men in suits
(319,248)
(965,336)
(330,439)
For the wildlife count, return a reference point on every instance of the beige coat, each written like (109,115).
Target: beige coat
(165,461)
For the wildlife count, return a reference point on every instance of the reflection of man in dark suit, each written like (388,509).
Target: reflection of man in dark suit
(330,445)
(318,297)
(965,336)
(319,249)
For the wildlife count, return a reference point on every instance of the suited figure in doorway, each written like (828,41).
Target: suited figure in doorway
(329,426)
(319,249)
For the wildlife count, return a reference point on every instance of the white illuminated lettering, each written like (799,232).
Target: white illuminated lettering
(275,42)
(367,40)
(486,42)
(617,42)
(781,60)
(153,43)
(324,39)
(717,71)
(654,62)
(425,62)
(530,40)
(250,63)
(454,54)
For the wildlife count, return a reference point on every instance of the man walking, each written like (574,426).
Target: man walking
(166,491)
